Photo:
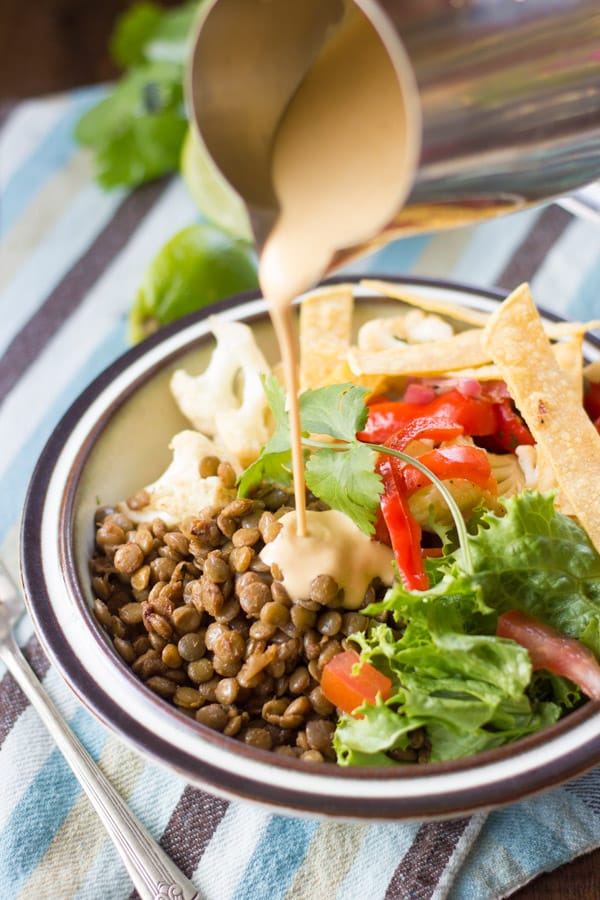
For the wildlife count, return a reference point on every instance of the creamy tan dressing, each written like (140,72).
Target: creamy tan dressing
(340,172)
(334,546)
(341,169)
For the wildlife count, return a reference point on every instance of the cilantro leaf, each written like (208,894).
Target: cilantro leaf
(133,31)
(342,476)
(275,460)
(345,480)
(276,467)
(276,398)
(148,33)
(137,131)
(338,410)
(170,39)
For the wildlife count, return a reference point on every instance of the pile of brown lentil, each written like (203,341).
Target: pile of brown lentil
(209,627)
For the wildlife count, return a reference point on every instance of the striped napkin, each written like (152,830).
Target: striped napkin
(71,257)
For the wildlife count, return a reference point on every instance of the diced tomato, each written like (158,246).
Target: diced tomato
(348,691)
(495,390)
(475,415)
(511,430)
(433,552)
(419,393)
(470,463)
(553,651)
(591,401)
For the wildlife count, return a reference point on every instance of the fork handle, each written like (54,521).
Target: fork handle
(154,875)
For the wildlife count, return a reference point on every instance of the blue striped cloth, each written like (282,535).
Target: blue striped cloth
(71,257)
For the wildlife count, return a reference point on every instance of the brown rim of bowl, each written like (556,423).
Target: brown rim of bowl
(103,706)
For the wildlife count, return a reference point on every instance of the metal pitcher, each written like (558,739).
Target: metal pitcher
(505,98)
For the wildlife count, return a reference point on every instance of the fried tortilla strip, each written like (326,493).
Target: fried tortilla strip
(465,313)
(568,355)
(460,313)
(567,329)
(431,358)
(479,373)
(325,333)
(549,403)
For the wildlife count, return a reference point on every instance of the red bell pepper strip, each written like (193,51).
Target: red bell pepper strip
(347,690)
(548,649)
(424,428)
(475,415)
(470,463)
(403,530)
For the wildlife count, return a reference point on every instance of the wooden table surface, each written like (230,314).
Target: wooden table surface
(68,48)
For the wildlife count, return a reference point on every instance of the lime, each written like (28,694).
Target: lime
(198,266)
(214,196)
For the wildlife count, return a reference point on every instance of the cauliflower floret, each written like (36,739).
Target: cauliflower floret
(539,475)
(414,327)
(526,455)
(381,334)
(181,491)
(421,327)
(212,401)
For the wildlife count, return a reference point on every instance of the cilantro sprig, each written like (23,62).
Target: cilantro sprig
(136,132)
(340,471)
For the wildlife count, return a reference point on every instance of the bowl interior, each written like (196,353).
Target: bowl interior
(115,440)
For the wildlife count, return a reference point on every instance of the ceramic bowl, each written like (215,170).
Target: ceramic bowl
(112,441)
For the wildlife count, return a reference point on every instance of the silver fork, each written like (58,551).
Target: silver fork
(153,874)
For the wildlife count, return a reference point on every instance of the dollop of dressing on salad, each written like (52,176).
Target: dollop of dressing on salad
(333,546)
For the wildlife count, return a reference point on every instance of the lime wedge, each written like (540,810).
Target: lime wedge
(214,196)
(197,267)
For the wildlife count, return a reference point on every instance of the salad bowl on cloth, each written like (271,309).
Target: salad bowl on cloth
(115,440)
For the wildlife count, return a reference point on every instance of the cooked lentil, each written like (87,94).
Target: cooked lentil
(206,625)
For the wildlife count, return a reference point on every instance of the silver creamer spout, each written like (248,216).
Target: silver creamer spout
(501,99)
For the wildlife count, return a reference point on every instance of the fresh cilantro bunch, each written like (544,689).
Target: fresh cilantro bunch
(470,689)
(137,131)
(339,471)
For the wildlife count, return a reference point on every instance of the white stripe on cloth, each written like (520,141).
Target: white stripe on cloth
(234,840)
(67,238)
(328,857)
(31,227)
(461,851)
(557,281)
(19,767)
(107,301)
(82,829)
(153,799)
(25,129)
(388,844)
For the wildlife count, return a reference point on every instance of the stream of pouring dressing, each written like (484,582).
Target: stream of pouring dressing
(342,166)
